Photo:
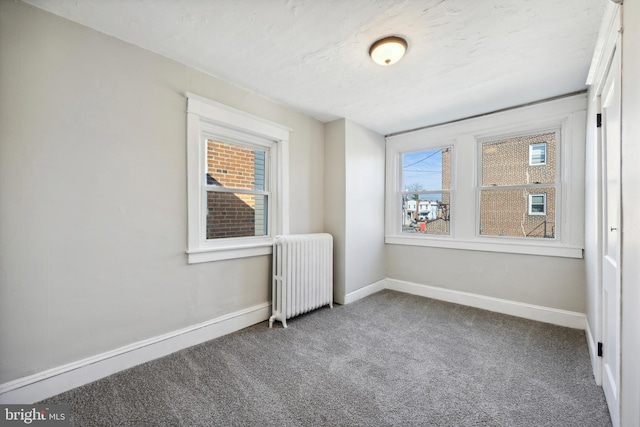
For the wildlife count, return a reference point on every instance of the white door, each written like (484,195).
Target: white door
(610,100)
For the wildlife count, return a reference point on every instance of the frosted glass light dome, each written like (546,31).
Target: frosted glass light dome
(388,51)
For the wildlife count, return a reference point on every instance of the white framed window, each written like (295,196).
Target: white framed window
(237,179)
(484,184)
(538,154)
(537,204)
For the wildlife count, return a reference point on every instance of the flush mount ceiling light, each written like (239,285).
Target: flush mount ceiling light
(388,51)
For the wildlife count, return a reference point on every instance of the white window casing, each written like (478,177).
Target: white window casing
(566,114)
(208,119)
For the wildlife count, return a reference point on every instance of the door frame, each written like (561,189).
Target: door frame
(613,75)
(607,44)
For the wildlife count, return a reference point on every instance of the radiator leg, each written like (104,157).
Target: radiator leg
(271,320)
(331,304)
(284,323)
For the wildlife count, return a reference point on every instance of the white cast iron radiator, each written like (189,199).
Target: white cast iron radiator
(302,275)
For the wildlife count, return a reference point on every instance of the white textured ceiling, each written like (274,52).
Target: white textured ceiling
(465,57)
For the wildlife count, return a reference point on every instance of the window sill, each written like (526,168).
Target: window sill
(536,248)
(196,256)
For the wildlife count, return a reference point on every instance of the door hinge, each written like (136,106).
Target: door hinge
(599,349)
(598,120)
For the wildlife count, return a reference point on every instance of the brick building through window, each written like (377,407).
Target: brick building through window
(518,186)
(517,189)
(237,213)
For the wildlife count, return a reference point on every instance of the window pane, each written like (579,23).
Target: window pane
(506,161)
(537,208)
(427,170)
(432,215)
(506,213)
(236,215)
(233,166)
(538,199)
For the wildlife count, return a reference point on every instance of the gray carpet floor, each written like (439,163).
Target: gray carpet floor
(390,359)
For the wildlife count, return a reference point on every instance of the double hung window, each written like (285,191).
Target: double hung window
(538,205)
(237,182)
(538,154)
(511,181)
(236,189)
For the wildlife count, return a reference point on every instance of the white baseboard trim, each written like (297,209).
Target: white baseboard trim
(555,316)
(42,385)
(593,354)
(48,383)
(366,291)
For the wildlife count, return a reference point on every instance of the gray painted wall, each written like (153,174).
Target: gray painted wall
(354,205)
(546,281)
(365,251)
(335,201)
(93,194)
